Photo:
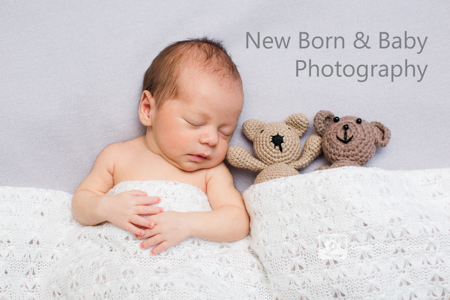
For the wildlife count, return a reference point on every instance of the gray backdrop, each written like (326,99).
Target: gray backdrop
(71,74)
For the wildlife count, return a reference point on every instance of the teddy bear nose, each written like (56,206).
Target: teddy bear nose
(345,126)
(277,140)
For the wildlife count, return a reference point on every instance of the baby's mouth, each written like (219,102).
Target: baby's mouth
(198,157)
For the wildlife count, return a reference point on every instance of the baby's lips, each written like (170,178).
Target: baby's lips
(205,156)
(199,157)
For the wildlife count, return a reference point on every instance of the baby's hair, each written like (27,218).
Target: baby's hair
(161,77)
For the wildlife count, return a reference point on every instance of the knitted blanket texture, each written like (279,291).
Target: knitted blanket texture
(350,233)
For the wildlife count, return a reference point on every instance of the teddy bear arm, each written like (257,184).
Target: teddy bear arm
(311,150)
(239,157)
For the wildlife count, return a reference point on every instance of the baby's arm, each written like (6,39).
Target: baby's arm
(228,221)
(91,206)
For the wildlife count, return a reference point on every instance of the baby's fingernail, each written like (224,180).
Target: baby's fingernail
(141,233)
(150,224)
(142,246)
(161,209)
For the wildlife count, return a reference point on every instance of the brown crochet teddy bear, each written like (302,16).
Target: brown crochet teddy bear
(349,141)
(277,148)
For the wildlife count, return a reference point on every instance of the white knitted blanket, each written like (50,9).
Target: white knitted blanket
(354,233)
(351,233)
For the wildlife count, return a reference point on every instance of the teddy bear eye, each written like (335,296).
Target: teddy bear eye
(262,131)
(359,121)
(336,119)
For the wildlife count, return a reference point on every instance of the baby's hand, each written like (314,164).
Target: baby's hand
(170,229)
(124,210)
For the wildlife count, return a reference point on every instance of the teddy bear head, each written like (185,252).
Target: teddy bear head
(276,142)
(349,139)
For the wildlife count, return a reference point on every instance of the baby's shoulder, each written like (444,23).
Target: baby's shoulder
(110,152)
(219,172)
(118,151)
(120,148)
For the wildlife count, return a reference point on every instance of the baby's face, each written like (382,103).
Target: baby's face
(193,131)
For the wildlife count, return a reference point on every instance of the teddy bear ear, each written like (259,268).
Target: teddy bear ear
(382,134)
(299,122)
(322,120)
(252,127)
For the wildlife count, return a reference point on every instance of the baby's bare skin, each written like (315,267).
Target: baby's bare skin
(136,161)
(186,141)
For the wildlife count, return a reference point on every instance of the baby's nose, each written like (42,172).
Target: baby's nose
(209,137)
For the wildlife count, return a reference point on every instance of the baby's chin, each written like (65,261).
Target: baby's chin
(194,168)
(197,166)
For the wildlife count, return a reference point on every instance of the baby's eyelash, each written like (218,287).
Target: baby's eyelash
(192,123)
(224,134)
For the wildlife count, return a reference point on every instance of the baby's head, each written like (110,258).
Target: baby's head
(162,77)
(191,100)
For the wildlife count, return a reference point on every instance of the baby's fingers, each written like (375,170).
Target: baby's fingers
(160,248)
(137,193)
(148,210)
(153,241)
(148,200)
(133,229)
(147,234)
(141,221)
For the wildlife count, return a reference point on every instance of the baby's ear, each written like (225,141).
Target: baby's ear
(322,120)
(252,127)
(146,108)
(299,122)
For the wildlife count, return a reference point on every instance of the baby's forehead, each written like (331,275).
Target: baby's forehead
(192,70)
(206,86)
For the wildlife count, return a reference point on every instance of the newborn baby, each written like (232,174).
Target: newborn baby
(191,100)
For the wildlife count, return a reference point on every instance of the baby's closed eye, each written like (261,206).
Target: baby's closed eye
(194,122)
(226,133)
(226,130)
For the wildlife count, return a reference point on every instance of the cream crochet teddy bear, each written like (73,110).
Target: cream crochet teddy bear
(277,148)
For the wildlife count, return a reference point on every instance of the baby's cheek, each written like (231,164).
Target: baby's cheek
(223,150)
